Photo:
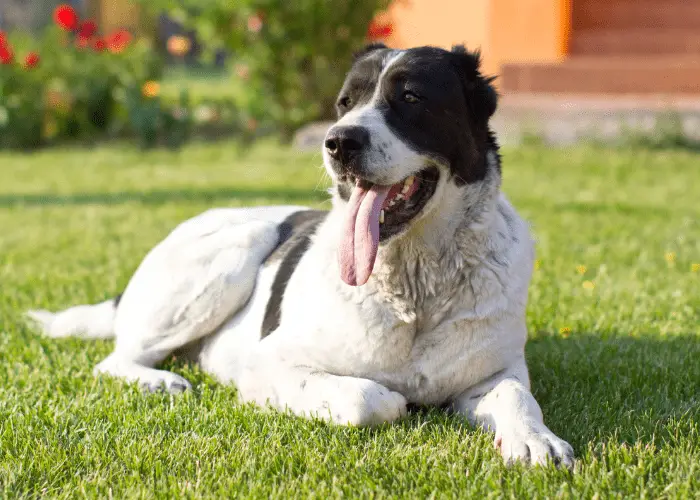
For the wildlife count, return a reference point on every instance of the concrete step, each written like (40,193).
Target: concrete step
(626,14)
(642,41)
(563,119)
(607,75)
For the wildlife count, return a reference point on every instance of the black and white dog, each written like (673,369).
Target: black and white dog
(411,289)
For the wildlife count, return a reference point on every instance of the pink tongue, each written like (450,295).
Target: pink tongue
(360,240)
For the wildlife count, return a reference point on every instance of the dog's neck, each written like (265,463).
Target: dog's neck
(419,272)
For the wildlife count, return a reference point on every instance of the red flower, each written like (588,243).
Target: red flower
(65,17)
(376,30)
(87,29)
(3,39)
(32,60)
(99,45)
(6,55)
(118,41)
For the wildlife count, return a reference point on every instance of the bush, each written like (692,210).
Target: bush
(73,84)
(289,57)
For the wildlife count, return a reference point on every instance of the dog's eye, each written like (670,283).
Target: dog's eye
(345,102)
(410,97)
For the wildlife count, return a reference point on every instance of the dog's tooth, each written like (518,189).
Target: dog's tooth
(381,217)
(407,183)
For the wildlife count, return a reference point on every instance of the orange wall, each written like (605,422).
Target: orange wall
(440,22)
(505,30)
(536,32)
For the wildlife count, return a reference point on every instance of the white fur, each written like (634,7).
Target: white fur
(442,318)
(86,321)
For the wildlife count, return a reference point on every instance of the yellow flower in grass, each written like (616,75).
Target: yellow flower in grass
(581,269)
(588,285)
(670,257)
(538,264)
(150,89)
(565,331)
(695,267)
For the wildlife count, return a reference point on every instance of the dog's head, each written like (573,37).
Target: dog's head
(410,123)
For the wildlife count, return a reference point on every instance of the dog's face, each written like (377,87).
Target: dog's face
(409,122)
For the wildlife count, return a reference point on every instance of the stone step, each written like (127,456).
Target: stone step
(643,41)
(633,14)
(563,119)
(611,75)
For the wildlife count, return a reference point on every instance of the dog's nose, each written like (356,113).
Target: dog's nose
(344,143)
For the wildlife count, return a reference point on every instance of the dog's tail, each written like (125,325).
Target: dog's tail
(89,321)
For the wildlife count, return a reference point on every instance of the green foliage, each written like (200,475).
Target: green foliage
(73,92)
(290,57)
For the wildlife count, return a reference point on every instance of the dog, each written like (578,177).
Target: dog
(412,288)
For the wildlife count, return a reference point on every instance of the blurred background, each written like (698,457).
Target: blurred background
(163,72)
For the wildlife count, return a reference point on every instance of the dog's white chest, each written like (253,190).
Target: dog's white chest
(438,352)
(426,326)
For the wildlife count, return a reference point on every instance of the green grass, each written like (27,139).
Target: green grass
(201,84)
(614,353)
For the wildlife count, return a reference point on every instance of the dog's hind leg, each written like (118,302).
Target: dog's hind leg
(173,301)
(150,379)
(203,273)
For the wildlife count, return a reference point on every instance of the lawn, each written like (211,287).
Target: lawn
(614,319)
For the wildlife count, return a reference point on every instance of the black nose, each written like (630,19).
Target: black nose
(344,143)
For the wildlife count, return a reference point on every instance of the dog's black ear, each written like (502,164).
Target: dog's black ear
(481,95)
(367,49)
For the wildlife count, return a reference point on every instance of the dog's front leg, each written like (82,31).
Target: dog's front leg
(505,405)
(285,382)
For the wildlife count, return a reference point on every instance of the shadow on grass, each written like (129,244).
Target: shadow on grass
(247,194)
(595,390)
(625,389)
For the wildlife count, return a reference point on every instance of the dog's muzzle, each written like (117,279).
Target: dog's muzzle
(345,146)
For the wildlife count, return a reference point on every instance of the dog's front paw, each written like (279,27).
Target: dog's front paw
(361,402)
(533,444)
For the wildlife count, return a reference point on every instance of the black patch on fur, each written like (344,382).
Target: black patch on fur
(450,120)
(117,300)
(294,239)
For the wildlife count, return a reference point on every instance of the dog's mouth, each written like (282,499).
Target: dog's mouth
(375,213)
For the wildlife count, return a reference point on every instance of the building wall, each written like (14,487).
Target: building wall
(505,30)
(440,22)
